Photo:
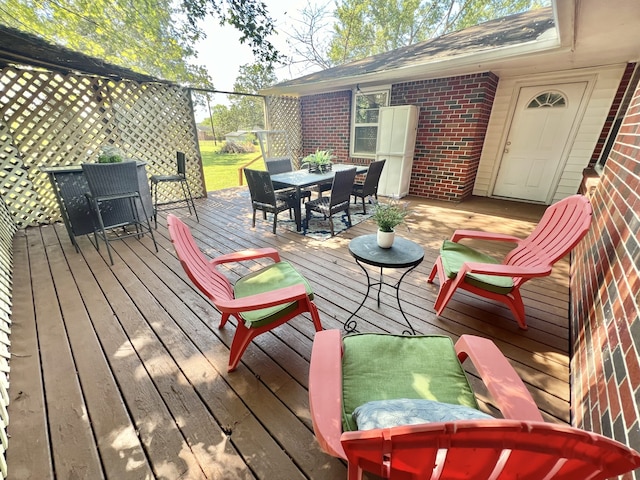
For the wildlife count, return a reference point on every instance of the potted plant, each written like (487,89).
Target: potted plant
(110,154)
(320,161)
(388,216)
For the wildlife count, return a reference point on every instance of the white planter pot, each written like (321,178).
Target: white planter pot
(385,239)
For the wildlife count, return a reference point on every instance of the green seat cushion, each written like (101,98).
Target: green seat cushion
(267,279)
(386,367)
(455,254)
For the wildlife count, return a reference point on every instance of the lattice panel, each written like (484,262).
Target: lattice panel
(7,230)
(49,119)
(274,144)
(283,114)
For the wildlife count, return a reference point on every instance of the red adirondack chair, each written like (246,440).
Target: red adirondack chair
(562,226)
(260,301)
(520,445)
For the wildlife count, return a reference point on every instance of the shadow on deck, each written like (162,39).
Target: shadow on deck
(121,372)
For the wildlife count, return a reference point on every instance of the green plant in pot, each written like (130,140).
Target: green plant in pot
(319,161)
(110,154)
(388,215)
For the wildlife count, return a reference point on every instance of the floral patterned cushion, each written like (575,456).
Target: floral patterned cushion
(406,411)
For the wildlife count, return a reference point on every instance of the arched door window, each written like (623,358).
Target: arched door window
(548,100)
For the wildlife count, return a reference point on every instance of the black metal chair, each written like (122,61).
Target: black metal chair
(338,201)
(181,177)
(114,198)
(264,197)
(370,185)
(284,165)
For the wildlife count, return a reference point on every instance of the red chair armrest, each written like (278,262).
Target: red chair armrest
(479,235)
(325,391)
(504,270)
(505,385)
(263,300)
(247,255)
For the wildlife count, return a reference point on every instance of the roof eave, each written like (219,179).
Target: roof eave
(433,68)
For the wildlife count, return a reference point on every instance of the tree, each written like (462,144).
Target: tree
(362,29)
(247,110)
(222,120)
(149,36)
(309,42)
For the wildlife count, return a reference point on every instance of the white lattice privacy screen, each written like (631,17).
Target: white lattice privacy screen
(283,114)
(49,119)
(7,230)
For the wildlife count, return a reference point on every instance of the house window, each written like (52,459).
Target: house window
(366,109)
(548,99)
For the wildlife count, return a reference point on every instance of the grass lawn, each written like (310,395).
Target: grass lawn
(221,170)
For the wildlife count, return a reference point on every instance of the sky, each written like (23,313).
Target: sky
(223,54)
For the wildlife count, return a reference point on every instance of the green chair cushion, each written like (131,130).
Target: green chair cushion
(267,279)
(455,254)
(386,367)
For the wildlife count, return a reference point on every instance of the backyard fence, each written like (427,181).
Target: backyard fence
(48,119)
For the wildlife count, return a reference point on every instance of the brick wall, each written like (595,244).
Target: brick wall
(624,82)
(454,114)
(326,120)
(605,288)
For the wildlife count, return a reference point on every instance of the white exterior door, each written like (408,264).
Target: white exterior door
(541,128)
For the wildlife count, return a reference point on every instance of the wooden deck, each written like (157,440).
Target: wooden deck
(121,372)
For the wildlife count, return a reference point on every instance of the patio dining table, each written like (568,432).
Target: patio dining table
(299,179)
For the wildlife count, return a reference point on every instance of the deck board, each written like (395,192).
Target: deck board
(120,372)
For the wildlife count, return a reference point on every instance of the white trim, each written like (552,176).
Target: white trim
(352,127)
(601,89)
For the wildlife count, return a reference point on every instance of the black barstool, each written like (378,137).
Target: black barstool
(181,177)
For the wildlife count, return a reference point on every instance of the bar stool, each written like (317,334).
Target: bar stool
(181,177)
(114,198)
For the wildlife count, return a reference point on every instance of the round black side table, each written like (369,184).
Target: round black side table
(402,254)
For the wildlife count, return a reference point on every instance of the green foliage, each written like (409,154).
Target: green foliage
(250,17)
(390,214)
(154,37)
(319,157)
(246,112)
(110,154)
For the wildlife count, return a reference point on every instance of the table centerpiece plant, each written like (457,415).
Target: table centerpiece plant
(110,154)
(319,161)
(388,215)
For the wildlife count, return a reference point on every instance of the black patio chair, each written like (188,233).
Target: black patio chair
(264,197)
(370,185)
(284,165)
(338,201)
(114,195)
(181,177)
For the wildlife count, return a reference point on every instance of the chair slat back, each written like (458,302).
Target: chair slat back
(560,229)
(487,449)
(260,187)
(370,186)
(341,188)
(105,179)
(205,276)
(181,162)
(278,165)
